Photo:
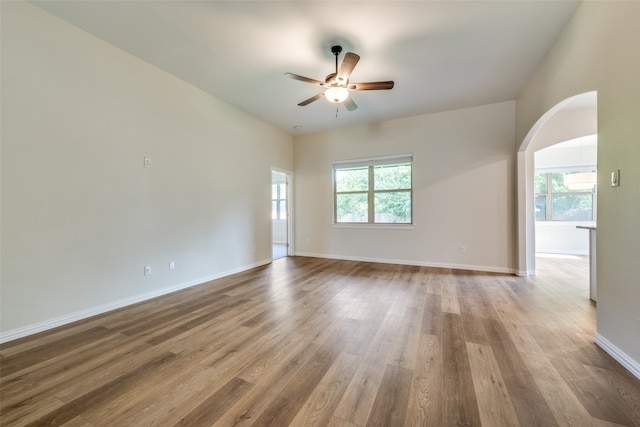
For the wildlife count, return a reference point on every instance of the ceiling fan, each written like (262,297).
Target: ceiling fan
(337,86)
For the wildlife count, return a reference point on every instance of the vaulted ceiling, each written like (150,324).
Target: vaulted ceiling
(442,55)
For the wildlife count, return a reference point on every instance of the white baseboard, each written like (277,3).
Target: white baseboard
(85,314)
(619,355)
(489,269)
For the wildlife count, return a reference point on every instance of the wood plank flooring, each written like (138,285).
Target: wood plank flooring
(320,342)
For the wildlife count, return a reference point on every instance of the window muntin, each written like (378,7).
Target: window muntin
(554,201)
(373,191)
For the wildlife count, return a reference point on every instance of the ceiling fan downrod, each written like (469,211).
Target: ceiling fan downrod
(336,50)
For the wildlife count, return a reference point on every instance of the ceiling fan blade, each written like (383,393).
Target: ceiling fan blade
(310,100)
(371,86)
(304,79)
(348,64)
(349,104)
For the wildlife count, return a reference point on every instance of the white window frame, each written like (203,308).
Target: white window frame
(370,163)
(549,194)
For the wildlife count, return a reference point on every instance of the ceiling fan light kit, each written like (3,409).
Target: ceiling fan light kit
(336,94)
(337,85)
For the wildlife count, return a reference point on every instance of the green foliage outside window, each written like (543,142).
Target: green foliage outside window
(373,194)
(554,201)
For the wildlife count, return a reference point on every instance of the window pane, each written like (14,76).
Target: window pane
(541,208)
(540,183)
(352,207)
(274,209)
(393,207)
(283,191)
(572,207)
(283,209)
(557,183)
(377,193)
(352,179)
(392,177)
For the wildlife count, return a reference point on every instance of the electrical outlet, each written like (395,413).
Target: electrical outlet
(147,270)
(463,250)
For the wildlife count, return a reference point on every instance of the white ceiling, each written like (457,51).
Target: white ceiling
(442,55)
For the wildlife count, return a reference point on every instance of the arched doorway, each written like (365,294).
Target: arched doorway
(572,118)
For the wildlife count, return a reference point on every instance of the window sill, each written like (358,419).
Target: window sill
(376,226)
(566,223)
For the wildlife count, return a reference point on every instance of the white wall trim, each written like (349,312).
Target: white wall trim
(619,355)
(489,269)
(525,273)
(94,311)
(374,226)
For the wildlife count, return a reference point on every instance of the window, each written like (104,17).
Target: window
(373,191)
(279,201)
(555,201)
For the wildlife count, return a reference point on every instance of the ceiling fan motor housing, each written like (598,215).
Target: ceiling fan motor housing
(331,80)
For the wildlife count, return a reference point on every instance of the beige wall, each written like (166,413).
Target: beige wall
(598,50)
(463,174)
(81,215)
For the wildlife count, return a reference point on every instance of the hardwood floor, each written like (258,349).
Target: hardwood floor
(307,341)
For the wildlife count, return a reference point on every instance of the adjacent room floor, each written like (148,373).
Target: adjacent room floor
(279,250)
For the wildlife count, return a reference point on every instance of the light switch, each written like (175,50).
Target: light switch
(147,162)
(615,178)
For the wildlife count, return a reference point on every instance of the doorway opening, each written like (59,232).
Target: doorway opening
(565,196)
(549,208)
(280,213)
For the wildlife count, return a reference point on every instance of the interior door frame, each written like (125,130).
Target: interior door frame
(290,214)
